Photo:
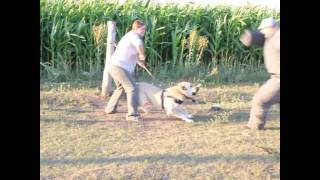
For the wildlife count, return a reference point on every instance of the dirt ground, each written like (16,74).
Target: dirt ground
(79,141)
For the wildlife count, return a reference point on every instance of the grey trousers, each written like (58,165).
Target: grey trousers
(125,83)
(267,95)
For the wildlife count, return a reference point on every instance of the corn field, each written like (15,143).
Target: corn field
(73,35)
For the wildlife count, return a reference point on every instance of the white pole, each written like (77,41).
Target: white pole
(106,88)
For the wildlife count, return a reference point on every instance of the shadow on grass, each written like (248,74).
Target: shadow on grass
(172,119)
(181,158)
(272,128)
(120,123)
(243,115)
(69,110)
(202,118)
(72,122)
(231,116)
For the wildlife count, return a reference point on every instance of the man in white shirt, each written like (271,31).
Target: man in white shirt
(129,52)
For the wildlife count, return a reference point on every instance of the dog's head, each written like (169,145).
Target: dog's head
(182,91)
(187,89)
(196,89)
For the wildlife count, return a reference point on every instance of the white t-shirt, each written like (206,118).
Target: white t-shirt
(126,53)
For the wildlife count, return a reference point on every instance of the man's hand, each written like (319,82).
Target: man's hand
(245,38)
(141,56)
(141,63)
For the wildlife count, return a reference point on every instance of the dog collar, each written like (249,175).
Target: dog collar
(178,101)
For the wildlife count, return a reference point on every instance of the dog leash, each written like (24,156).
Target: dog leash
(145,68)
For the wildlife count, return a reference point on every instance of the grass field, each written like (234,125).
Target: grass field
(79,141)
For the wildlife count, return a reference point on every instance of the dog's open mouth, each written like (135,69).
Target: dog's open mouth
(193,100)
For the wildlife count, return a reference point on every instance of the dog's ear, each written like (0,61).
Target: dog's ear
(198,87)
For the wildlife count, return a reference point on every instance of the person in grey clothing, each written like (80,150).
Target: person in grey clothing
(129,52)
(269,93)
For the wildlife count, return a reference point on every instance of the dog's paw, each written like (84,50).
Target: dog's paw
(144,110)
(190,116)
(188,120)
(169,114)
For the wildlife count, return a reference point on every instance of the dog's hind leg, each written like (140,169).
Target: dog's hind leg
(144,109)
(142,101)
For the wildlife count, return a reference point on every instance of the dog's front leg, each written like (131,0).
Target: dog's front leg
(177,113)
(173,110)
(184,112)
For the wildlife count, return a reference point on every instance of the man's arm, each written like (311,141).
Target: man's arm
(138,44)
(141,55)
(277,40)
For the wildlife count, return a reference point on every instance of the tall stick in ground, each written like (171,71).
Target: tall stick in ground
(106,87)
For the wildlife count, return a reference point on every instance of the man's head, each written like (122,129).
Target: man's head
(268,26)
(139,27)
